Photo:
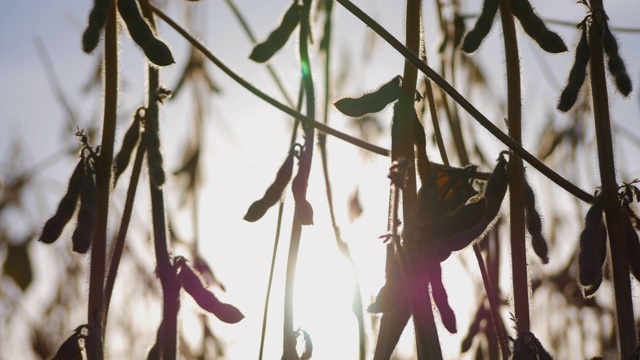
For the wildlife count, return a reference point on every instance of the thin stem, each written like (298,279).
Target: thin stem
(322,147)
(475,113)
(165,269)
(294,132)
(493,305)
(519,268)
(98,247)
(617,249)
(118,247)
(307,120)
(302,178)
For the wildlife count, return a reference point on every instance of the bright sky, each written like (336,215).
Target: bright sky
(246,140)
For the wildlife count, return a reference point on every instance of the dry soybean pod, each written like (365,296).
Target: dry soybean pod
(83,234)
(616,65)
(54,226)
(371,102)
(192,284)
(156,51)
(534,224)
(548,40)
(97,19)
(273,194)
(589,257)
(633,246)
(440,298)
(474,38)
(278,37)
(154,156)
(578,72)
(129,142)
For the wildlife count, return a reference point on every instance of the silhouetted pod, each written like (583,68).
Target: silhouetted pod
(154,157)
(548,40)
(192,284)
(273,194)
(441,299)
(371,102)
(633,246)
(304,210)
(528,347)
(70,349)
(577,74)
(54,226)
(278,37)
(83,234)
(156,51)
(590,259)
(97,19)
(474,38)
(616,65)
(534,224)
(129,142)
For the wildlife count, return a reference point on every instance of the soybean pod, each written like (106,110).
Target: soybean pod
(156,51)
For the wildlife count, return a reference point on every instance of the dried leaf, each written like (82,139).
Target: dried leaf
(17,265)
(307,351)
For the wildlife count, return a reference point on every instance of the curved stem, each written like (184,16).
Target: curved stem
(118,247)
(309,119)
(475,113)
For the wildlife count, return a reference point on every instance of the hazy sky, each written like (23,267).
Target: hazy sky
(247,139)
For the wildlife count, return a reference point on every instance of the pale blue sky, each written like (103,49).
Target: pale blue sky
(29,111)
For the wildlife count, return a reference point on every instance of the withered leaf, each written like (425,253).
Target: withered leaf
(17,265)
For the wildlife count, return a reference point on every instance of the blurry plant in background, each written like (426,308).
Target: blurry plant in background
(113,290)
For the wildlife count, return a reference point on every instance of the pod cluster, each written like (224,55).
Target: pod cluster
(139,29)
(80,189)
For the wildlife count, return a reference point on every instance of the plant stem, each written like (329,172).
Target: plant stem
(519,268)
(306,119)
(118,247)
(475,113)
(294,133)
(165,269)
(617,249)
(304,168)
(99,241)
